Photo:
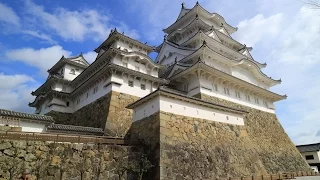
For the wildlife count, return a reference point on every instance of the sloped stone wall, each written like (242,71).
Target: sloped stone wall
(148,131)
(119,117)
(192,148)
(48,161)
(270,141)
(108,112)
(93,114)
(60,117)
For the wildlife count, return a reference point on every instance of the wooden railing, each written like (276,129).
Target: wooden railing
(30,136)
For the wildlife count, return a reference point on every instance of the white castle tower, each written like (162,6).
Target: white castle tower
(202,57)
(203,106)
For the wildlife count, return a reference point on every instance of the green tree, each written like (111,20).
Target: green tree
(121,165)
(141,165)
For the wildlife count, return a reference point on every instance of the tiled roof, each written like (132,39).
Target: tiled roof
(309,147)
(37,117)
(63,127)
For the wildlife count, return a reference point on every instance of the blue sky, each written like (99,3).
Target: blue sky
(285,34)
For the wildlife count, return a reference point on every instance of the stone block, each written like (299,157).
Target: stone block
(5,145)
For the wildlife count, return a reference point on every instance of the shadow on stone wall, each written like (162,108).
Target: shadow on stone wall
(274,147)
(108,112)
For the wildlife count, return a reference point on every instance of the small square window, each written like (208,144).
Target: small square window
(130,83)
(309,157)
(124,64)
(67,104)
(143,86)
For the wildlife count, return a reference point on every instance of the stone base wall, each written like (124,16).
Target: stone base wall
(148,131)
(60,117)
(108,112)
(48,161)
(93,114)
(192,148)
(119,117)
(270,141)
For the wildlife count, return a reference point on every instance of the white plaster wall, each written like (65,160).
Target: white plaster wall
(316,156)
(126,46)
(59,87)
(122,88)
(132,64)
(67,70)
(244,75)
(185,109)
(167,49)
(209,89)
(148,108)
(32,126)
(136,89)
(217,65)
(84,100)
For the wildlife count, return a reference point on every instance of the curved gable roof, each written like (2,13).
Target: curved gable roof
(202,12)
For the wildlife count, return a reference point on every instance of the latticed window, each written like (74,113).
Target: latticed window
(130,83)
(143,86)
(215,86)
(226,91)
(247,97)
(95,90)
(238,94)
(256,100)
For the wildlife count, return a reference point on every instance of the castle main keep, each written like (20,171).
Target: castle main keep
(203,107)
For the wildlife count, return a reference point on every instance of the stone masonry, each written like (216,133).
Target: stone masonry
(148,130)
(191,148)
(107,112)
(274,147)
(119,117)
(50,161)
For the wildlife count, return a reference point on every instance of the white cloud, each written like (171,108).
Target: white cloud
(76,25)
(252,31)
(90,56)
(8,15)
(41,36)
(293,42)
(15,93)
(43,58)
